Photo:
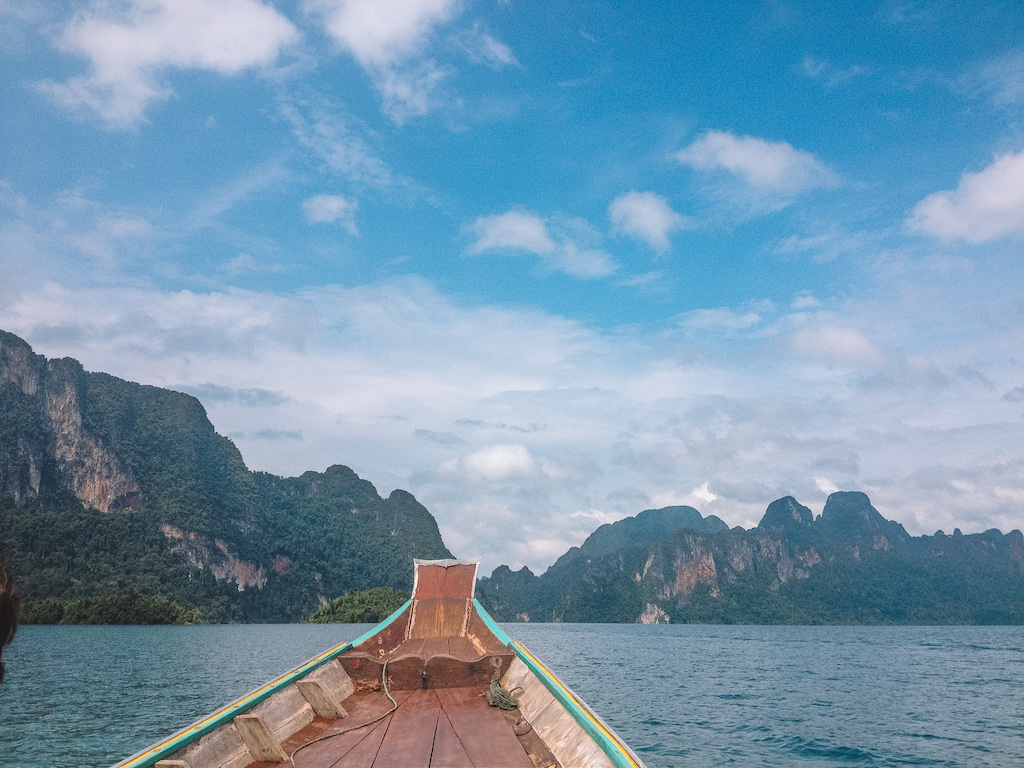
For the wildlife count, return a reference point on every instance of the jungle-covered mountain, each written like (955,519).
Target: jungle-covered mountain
(848,566)
(108,487)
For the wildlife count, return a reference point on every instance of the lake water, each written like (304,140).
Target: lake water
(679,695)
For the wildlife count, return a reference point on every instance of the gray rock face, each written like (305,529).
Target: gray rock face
(50,405)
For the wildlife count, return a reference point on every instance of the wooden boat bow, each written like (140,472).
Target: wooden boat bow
(408,694)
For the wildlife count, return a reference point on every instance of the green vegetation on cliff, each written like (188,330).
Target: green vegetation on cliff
(111,488)
(850,566)
(368,606)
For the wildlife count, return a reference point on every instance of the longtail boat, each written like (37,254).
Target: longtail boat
(435,685)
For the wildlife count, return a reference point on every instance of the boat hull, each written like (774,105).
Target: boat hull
(411,692)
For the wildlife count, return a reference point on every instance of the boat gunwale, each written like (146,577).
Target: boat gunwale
(151,755)
(613,746)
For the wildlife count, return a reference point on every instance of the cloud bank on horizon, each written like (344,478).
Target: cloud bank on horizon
(541,266)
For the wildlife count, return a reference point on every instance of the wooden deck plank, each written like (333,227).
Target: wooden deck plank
(486,736)
(410,737)
(363,754)
(363,710)
(448,750)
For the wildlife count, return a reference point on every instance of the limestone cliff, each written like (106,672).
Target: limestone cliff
(110,486)
(851,565)
(51,390)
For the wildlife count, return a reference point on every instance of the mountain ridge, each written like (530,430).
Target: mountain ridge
(847,566)
(108,486)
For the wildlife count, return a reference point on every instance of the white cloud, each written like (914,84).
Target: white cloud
(387,38)
(381,33)
(516,230)
(598,516)
(837,344)
(766,165)
(698,498)
(499,462)
(326,209)
(703,492)
(805,300)
(131,45)
(986,205)
(646,216)
(825,485)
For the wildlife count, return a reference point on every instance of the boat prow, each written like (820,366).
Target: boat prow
(411,693)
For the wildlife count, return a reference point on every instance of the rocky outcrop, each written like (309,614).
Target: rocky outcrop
(653,614)
(215,556)
(51,400)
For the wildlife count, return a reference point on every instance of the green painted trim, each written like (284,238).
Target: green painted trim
(596,728)
(187,735)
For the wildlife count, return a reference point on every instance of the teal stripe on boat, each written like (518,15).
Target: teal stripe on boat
(596,728)
(150,756)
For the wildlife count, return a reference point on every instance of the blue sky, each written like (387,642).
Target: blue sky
(542,264)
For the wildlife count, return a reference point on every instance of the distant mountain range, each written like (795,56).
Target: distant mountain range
(848,566)
(109,487)
(118,498)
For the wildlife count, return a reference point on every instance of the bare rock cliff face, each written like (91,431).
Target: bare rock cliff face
(81,462)
(689,560)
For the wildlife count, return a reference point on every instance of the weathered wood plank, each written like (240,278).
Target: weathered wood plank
(364,753)
(486,737)
(363,709)
(410,737)
(448,750)
(460,581)
(566,738)
(435,646)
(321,699)
(430,581)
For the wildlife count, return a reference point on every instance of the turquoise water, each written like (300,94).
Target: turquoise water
(679,695)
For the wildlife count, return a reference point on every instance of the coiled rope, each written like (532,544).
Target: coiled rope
(499,697)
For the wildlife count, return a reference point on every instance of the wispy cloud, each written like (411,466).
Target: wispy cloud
(483,48)
(647,217)
(836,344)
(1001,79)
(828,72)
(567,245)
(986,205)
(130,46)
(337,140)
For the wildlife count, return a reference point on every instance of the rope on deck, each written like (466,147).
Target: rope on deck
(394,706)
(499,697)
